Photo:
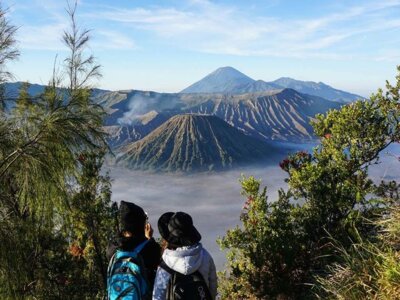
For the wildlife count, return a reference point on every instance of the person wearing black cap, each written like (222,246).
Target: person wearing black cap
(134,230)
(184,254)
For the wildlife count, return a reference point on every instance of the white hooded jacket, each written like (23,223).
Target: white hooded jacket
(186,260)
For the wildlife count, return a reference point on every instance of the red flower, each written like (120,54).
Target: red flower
(75,250)
(284,164)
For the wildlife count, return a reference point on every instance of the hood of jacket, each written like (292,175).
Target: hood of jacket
(185,260)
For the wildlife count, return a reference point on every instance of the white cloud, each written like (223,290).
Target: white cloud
(216,28)
(204,26)
(111,39)
(46,37)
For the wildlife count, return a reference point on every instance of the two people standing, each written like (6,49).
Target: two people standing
(180,268)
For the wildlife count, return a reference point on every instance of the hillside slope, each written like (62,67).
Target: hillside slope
(283,115)
(191,143)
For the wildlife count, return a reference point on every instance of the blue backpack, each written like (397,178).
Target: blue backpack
(126,275)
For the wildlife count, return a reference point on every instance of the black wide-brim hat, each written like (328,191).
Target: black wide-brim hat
(178,229)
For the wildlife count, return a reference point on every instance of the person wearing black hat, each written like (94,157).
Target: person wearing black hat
(184,254)
(134,229)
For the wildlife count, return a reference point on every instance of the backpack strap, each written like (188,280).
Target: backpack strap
(164,266)
(171,281)
(126,254)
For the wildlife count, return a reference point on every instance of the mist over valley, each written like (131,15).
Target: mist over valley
(213,198)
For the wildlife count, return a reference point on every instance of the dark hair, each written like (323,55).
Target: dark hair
(165,245)
(132,218)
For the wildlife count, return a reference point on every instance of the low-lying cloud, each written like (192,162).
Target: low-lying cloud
(214,199)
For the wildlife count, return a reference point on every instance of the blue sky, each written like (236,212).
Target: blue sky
(167,45)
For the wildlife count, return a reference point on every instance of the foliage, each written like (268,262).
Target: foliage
(282,246)
(80,68)
(368,270)
(8,50)
(54,206)
(89,226)
(263,254)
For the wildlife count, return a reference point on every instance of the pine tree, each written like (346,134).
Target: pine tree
(45,203)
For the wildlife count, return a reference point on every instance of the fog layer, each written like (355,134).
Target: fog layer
(213,200)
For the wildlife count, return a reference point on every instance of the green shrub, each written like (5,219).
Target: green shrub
(284,246)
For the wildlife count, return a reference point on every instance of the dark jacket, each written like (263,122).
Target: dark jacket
(151,253)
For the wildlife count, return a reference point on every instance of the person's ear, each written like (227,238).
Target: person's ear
(127,234)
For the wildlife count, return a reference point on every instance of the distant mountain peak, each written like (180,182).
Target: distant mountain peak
(229,71)
(222,80)
(227,68)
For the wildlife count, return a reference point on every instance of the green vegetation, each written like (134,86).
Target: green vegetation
(288,248)
(333,235)
(367,270)
(55,210)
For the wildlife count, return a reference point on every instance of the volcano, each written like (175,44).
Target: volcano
(192,142)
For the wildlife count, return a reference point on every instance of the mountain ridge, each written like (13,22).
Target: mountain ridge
(282,115)
(317,89)
(242,83)
(224,80)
